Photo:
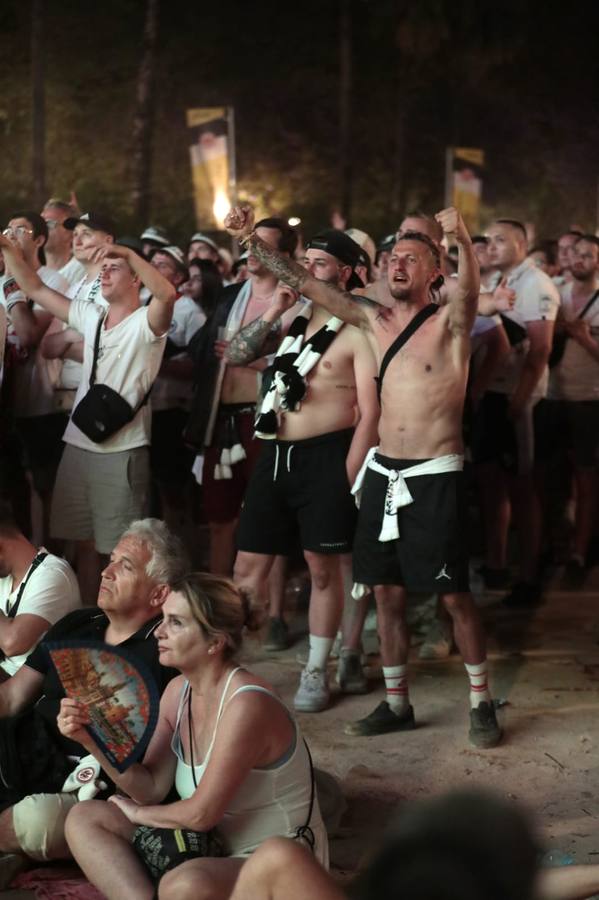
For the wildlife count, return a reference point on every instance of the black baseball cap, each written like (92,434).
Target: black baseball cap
(342,247)
(386,243)
(94,220)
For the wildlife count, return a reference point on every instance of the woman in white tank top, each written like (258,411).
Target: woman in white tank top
(226,741)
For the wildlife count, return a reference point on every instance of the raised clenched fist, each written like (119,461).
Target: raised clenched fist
(451,222)
(239,221)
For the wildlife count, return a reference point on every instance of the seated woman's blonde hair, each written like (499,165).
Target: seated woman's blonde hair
(217,605)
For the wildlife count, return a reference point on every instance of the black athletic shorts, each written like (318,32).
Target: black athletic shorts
(431,553)
(494,437)
(567,426)
(300,487)
(42,441)
(170,459)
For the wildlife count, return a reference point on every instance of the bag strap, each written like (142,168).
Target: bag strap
(92,374)
(587,305)
(40,557)
(304,831)
(421,316)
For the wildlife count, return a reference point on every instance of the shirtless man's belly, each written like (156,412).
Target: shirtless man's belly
(330,401)
(422,395)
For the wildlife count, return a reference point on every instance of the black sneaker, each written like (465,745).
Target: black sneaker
(484,730)
(523,594)
(277,636)
(382,721)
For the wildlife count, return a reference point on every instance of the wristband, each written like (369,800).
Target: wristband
(14,302)
(10,288)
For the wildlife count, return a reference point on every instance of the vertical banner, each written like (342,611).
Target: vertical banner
(463,183)
(212,156)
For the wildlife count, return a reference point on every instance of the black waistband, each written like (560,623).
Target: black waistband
(236,409)
(345,434)
(390,463)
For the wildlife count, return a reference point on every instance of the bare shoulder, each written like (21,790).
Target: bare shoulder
(356,339)
(258,701)
(169,703)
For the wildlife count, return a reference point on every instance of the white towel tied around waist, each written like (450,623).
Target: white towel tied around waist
(398,494)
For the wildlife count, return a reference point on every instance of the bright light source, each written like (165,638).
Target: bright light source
(294,220)
(220,207)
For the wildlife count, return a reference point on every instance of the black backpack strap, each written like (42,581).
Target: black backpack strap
(421,316)
(36,562)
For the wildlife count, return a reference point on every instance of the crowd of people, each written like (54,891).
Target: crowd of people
(331,399)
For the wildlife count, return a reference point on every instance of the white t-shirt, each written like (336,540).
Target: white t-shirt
(537,299)
(169,392)
(89,291)
(576,376)
(128,361)
(51,592)
(72,271)
(34,378)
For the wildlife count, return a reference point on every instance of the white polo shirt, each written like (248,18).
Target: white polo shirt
(129,359)
(537,300)
(51,592)
(576,376)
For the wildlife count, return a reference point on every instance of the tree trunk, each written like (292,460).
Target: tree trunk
(399,143)
(38,103)
(143,122)
(345,101)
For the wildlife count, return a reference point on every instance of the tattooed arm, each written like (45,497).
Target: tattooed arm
(257,339)
(263,335)
(339,303)
(239,223)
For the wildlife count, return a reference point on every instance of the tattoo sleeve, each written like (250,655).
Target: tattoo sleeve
(255,340)
(284,268)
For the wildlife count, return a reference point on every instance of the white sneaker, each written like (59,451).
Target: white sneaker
(313,694)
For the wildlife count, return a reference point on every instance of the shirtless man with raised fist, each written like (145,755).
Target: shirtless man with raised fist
(411,533)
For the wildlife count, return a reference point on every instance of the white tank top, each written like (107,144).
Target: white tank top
(272,801)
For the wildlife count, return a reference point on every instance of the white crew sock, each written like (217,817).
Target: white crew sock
(479,685)
(320,648)
(396,686)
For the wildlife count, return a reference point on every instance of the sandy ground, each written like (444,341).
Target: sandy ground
(544,664)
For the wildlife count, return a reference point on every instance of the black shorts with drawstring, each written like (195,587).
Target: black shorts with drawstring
(300,488)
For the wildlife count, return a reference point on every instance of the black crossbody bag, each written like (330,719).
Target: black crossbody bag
(103,412)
